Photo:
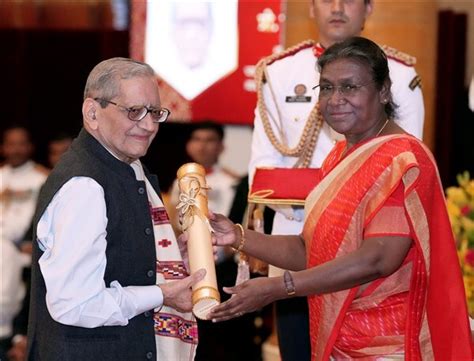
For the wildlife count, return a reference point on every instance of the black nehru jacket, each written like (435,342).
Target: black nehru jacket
(131,260)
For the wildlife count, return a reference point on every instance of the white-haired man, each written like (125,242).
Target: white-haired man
(105,256)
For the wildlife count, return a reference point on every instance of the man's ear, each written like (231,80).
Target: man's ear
(311,9)
(369,8)
(89,113)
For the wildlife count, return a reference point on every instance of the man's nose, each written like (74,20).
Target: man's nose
(147,123)
(337,6)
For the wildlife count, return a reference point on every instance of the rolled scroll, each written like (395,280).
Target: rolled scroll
(193,215)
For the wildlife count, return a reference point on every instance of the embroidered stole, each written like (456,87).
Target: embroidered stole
(176,333)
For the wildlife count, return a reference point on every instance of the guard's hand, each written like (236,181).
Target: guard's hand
(177,294)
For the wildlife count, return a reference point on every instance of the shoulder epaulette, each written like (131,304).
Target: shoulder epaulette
(398,55)
(289,51)
(264,62)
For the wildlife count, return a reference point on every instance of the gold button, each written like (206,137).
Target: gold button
(297,119)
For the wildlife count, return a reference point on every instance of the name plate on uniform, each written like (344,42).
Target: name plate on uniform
(298,99)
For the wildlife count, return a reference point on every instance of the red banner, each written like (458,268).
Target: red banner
(205,53)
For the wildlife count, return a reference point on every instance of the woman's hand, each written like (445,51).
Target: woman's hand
(248,297)
(225,231)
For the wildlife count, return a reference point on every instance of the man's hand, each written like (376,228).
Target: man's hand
(178,294)
(18,350)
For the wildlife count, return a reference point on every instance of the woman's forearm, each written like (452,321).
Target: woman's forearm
(286,252)
(378,257)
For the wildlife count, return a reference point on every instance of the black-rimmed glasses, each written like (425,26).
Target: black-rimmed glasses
(138,112)
(346,90)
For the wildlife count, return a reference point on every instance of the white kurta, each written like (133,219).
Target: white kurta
(81,298)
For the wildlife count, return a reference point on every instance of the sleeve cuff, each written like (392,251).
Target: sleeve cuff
(145,298)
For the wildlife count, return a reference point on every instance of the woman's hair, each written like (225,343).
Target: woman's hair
(367,52)
(104,80)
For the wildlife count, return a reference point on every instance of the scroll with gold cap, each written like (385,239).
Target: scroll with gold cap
(193,215)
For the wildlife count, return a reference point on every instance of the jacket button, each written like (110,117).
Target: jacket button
(150,273)
(147,231)
(147,313)
(141,190)
(149,355)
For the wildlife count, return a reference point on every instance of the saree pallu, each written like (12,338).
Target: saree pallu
(417,313)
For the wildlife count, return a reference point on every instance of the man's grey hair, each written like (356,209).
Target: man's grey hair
(104,80)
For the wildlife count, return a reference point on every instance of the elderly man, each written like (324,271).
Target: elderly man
(289,132)
(108,280)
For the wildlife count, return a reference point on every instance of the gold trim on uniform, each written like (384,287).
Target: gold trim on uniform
(399,55)
(305,148)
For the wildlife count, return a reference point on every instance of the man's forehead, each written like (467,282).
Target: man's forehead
(362,2)
(138,89)
(205,134)
(16,133)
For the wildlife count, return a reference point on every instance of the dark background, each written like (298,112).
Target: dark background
(44,74)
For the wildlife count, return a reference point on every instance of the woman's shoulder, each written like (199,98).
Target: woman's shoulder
(401,143)
(405,140)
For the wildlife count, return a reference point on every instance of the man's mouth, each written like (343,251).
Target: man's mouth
(337,21)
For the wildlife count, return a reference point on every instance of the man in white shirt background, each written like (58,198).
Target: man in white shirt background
(20,181)
(102,237)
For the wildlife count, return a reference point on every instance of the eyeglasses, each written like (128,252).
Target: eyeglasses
(138,112)
(346,90)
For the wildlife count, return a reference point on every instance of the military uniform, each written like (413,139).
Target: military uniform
(19,190)
(286,95)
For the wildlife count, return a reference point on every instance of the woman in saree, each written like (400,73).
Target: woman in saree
(376,257)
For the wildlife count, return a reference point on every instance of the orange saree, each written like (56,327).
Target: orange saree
(386,186)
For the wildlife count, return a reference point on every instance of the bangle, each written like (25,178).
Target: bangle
(242,238)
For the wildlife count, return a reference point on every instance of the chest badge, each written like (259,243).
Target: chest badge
(300,95)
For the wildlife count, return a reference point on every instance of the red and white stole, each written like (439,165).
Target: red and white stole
(176,333)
